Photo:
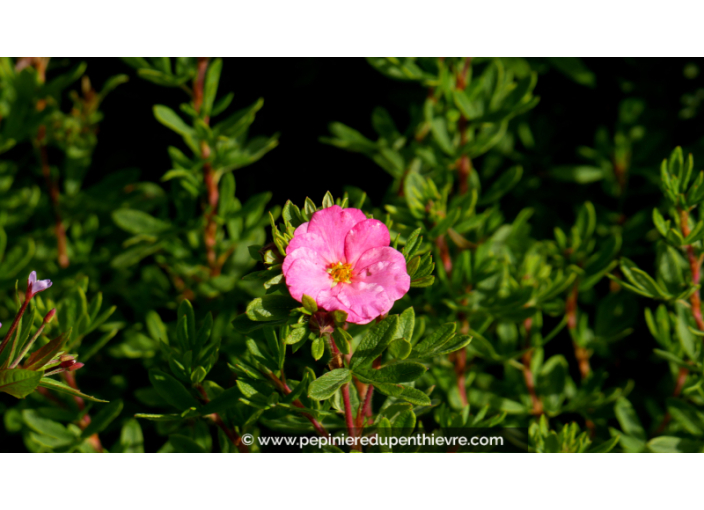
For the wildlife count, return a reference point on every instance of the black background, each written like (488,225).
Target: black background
(303,95)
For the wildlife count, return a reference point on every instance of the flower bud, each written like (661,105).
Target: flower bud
(49,316)
(68,362)
(321,323)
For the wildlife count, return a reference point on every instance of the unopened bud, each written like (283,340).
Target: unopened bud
(322,323)
(49,316)
(76,365)
(68,362)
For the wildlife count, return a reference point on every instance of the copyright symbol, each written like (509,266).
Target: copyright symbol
(247,439)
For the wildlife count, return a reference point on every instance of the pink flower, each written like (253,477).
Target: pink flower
(343,260)
(34,286)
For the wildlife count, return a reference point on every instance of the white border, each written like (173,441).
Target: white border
(350,481)
(352,28)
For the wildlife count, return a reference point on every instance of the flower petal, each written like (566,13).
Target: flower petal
(332,224)
(385,267)
(305,273)
(32,277)
(301,229)
(313,242)
(40,286)
(362,301)
(364,236)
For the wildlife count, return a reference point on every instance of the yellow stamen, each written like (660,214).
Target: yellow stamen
(340,273)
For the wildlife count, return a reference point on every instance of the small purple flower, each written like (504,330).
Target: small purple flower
(34,286)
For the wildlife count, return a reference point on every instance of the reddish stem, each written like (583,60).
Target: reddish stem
(283,387)
(695,268)
(209,177)
(14,324)
(460,367)
(198,84)
(695,301)
(232,435)
(681,379)
(366,409)
(41,63)
(349,417)
(94,440)
(53,187)
(580,353)
(444,253)
(351,429)
(528,374)
(464,165)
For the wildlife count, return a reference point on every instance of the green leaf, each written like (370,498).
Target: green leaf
(183,444)
(45,354)
(270,308)
(405,421)
(574,68)
(691,418)
(671,444)
(406,324)
(435,340)
(403,371)
(628,419)
(48,428)
(159,417)
(226,400)
(377,338)
(171,120)
(222,104)
(503,185)
(342,339)
(156,327)
(317,348)
(19,382)
(187,314)
(210,88)
(425,281)
(309,303)
(606,446)
(326,386)
(134,255)
(438,126)
(400,348)
(581,174)
(100,421)
(52,384)
(660,223)
(139,222)
(131,437)
(411,395)
(413,244)
(328,200)
(171,390)
(456,343)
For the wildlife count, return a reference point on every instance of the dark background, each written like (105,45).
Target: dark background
(302,96)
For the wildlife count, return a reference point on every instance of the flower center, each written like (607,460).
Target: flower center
(340,273)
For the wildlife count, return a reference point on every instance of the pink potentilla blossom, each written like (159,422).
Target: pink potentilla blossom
(343,260)
(34,286)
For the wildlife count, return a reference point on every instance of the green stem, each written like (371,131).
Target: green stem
(14,324)
(28,346)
